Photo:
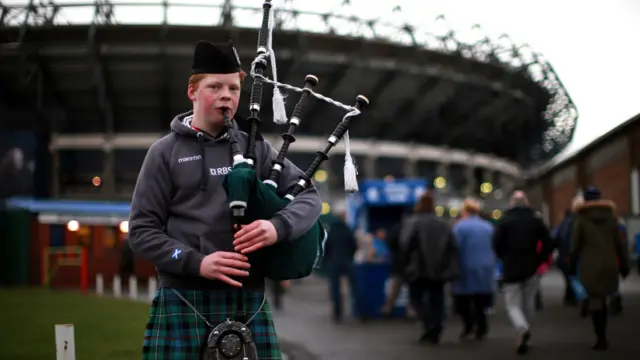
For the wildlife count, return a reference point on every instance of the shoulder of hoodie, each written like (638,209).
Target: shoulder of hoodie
(245,135)
(263,147)
(259,137)
(260,141)
(164,146)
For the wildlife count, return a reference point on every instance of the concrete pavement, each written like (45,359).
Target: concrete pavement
(558,332)
(307,332)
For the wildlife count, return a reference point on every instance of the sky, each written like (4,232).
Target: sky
(589,43)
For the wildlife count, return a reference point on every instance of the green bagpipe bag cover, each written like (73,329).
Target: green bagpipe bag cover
(293,259)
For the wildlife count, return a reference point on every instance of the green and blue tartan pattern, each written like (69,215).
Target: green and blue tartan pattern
(175,332)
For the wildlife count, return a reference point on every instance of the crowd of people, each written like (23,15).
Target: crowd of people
(428,252)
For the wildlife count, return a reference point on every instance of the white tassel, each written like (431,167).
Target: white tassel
(279,110)
(350,172)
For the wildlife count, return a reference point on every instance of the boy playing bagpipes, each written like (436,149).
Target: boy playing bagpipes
(180,221)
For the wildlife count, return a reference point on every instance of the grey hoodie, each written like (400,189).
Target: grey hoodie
(180,212)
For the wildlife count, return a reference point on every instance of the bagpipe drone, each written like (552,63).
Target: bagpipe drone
(250,198)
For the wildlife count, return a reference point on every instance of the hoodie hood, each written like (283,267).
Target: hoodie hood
(181,125)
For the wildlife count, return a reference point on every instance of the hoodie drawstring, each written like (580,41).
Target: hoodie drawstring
(204,179)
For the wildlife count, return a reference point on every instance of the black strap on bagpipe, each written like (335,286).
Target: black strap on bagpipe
(217,339)
(254,121)
(256,88)
(238,212)
(232,339)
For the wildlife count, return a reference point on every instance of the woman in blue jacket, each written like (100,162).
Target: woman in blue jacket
(476,284)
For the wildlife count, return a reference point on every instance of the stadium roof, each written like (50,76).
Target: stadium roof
(426,88)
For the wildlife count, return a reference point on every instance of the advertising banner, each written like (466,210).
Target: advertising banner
(392,193)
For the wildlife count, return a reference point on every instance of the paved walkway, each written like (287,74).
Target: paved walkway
(307,332)
(558,333)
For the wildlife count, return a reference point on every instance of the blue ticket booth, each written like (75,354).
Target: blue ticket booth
(380,204)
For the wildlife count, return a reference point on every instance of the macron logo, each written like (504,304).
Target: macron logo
(189,158)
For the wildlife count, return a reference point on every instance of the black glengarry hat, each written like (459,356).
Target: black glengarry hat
(215,59)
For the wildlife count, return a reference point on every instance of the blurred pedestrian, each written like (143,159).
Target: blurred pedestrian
(615,300)
(277,291)
(542,269)
(430,257)
(378,251)
(598,256)
(473,289)
(338,263)
(396,278)
(127,261)
(522,243)
(562,240)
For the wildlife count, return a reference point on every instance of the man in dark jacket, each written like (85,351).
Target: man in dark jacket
(562,239)
(393,243)
(396,276)
(339,250)
(516,245)
(431,259)
(181,222)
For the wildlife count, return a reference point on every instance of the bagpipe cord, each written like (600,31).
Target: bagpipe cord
(279,111)
(239,304)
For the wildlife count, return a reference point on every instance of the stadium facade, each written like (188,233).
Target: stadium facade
(86,88)
(97,90)
(611,163)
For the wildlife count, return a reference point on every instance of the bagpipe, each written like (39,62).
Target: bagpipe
(251,198)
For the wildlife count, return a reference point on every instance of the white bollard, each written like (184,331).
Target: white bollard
(117,286)
(65,343)
(133,288)
(153,287)
(99,284)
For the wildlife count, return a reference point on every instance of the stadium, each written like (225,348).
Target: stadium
(87,87)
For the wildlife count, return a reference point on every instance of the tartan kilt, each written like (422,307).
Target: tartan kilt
(175,332)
